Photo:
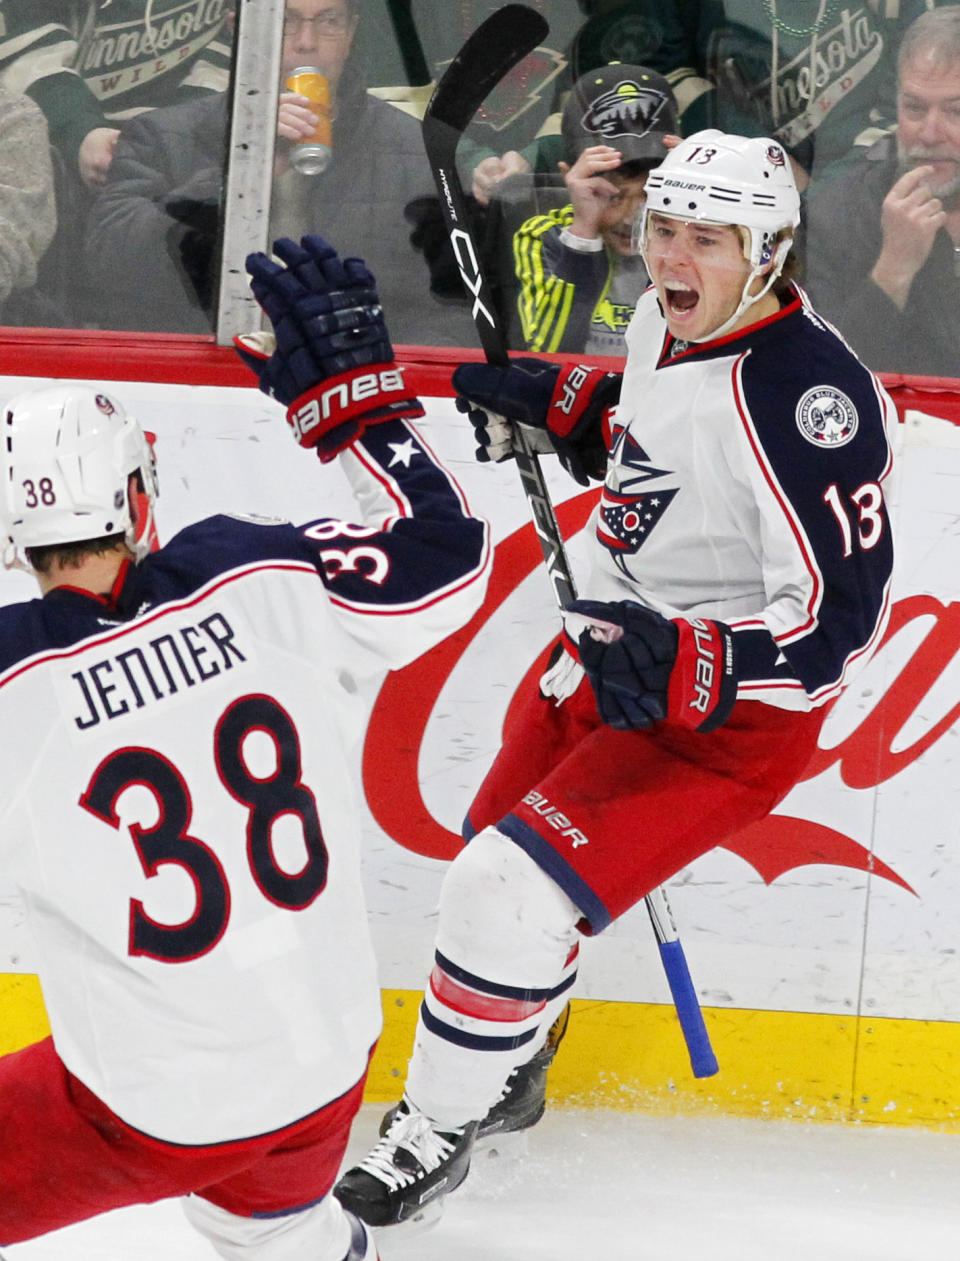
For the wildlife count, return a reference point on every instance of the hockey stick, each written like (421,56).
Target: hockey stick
(489,53)
(408,41)
(703,1061)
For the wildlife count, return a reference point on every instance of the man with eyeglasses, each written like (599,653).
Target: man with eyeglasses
(328,23)
(158,215)
(317,33)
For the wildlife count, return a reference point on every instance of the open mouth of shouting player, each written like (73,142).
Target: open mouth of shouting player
(705,282)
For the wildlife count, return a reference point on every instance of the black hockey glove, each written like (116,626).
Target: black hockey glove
(431,239)
(644,667)
(192,239)
(329,358)
(561,409)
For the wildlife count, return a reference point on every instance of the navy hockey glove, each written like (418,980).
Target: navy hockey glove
(644,667)
(561,408)
(329,359)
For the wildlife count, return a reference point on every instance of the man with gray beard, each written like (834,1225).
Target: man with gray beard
(884,238)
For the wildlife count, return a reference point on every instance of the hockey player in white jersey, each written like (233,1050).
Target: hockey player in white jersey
(176,806)
(740,563)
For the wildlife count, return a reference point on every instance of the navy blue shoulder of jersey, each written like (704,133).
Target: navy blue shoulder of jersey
(60,620)
(815,418)
(193,557)
(812,403)
(424,542)
(202,552)
(424,546)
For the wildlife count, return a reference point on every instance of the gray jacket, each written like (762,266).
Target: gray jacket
(150,241)
(844,239)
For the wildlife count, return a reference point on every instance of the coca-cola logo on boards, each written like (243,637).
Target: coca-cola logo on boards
(866,757)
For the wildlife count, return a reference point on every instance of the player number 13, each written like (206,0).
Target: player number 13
(867,515)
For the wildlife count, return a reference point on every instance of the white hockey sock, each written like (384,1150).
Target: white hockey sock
(506,959)
(321,1232)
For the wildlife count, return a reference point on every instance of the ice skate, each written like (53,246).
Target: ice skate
(522,1103)
(410,1170)
(524,1098)
(362,1247)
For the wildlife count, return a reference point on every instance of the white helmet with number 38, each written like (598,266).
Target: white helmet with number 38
(68,452)
(741,181)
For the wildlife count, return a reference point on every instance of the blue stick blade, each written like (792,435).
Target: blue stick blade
(702,1059)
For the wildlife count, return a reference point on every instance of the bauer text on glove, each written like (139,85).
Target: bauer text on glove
(329,359)
(644,667)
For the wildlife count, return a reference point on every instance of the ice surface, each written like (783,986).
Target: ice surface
(625,1187)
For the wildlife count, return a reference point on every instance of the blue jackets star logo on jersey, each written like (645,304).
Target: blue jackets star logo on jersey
(403,452)
(627,515)
(626,520)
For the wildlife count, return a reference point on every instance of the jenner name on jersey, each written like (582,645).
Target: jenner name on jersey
(155,670)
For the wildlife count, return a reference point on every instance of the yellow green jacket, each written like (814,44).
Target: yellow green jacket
(563,291)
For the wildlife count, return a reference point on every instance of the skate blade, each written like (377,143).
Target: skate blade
(510,1145)
(422,1220)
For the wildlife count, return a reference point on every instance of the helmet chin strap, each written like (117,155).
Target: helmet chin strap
(758,247)
(139,532)
(746,298)
(13,560)
(137,540)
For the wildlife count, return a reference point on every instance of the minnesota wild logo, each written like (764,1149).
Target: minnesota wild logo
(522,88)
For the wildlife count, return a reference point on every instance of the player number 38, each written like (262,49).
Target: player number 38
(37,493)
(169,841)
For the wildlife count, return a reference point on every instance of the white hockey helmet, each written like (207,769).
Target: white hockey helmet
(67,455)
(741,181)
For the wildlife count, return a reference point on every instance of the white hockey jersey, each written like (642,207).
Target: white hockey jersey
(745,485)
(176,802)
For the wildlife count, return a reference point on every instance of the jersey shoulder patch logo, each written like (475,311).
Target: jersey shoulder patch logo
(826,417)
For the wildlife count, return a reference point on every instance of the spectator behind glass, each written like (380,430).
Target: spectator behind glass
(763,55)
(27,212)
(156,219)
(658,34)
(89,64)
(884,239)
(579,275)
